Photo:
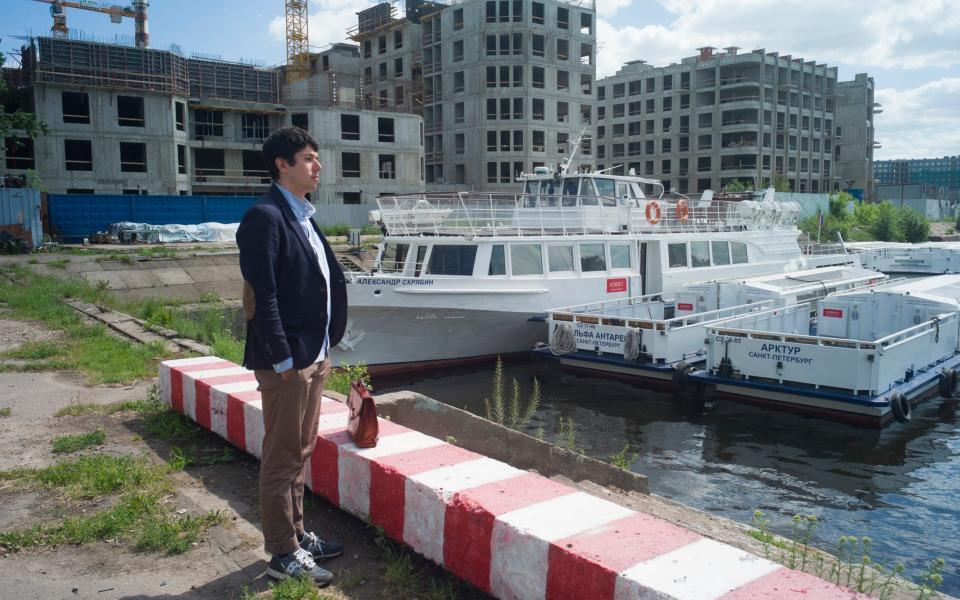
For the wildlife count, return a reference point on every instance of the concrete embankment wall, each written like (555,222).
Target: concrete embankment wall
(513,533)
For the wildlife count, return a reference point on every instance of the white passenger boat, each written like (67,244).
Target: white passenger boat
(464,277)
(646,338)
(875,355)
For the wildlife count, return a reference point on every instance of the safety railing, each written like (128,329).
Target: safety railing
(494,214)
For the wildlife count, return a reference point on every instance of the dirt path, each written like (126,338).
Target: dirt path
(227,559)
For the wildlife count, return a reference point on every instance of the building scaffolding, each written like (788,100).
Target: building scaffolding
(92,64)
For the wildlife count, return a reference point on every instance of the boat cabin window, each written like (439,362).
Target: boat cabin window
(452,260)
(619,256)
(393,257)
(498,261)
(721,253)
(739,252)
(588,194)
(677,255)
(571,188)
(526,259)
(560,258)
(623,190)
(605,187)
(700,254)
(550,192)
(592,258)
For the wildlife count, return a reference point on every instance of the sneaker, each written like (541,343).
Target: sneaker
(297,564)
(318,548)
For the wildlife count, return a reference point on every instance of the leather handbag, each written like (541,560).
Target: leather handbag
(363,426)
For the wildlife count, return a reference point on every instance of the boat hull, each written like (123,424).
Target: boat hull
(392,340)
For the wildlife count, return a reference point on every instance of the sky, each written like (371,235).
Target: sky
(910,47)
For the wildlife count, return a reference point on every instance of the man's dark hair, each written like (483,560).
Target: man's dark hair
(285,143)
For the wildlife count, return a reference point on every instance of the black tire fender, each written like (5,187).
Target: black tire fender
(901,407)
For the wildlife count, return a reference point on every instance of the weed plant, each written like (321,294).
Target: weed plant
(74,443)
(6,411)
(624,459)
(340,378)
(510,412)
(851,566)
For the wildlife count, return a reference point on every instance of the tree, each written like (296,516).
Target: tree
(913,225)
(884,226)
(781,183)
(19,120)
(736,186)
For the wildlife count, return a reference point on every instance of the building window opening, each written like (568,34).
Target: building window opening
(350,127)
(133,157)
(130,111)
(78,155)
(76,107)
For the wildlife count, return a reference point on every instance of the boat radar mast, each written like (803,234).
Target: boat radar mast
(574,146)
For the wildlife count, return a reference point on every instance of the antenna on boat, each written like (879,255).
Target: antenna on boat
(574,146)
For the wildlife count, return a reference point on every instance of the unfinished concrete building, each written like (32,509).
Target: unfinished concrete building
(855,143)
(505,83)
(125,120)
(719,117)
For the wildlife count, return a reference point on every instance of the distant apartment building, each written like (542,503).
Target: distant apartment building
(503,85)
(855,143)
(939,176)
(719,117)
(125,120)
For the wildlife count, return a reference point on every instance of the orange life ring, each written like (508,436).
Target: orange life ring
(682,210)
(653,212)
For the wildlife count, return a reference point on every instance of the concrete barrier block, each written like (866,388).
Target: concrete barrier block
(514,534)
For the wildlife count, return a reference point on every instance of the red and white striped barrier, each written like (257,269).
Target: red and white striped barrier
(514,534)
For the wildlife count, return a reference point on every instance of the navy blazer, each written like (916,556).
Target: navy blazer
(290,313)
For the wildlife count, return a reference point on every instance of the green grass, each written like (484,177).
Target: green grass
(137,515)
(5,411)
(89,349)
(73,443)
(75,410)
(89,476)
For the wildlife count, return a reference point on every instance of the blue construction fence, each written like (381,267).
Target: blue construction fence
(73,217)
(76,216)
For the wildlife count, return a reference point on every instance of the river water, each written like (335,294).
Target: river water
(900,487)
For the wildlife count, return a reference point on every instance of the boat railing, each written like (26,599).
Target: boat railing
(496,214)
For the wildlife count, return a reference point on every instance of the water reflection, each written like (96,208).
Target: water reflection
(899,486)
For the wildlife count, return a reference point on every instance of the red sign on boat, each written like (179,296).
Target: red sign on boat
(833,312)
(617,284)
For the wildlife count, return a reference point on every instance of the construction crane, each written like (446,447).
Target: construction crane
(136,11)
(298,53)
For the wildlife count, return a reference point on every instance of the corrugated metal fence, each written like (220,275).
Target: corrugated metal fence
(809,203)
(21,206)
(74,216)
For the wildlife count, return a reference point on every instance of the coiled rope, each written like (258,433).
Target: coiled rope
(562,341)
(631,344)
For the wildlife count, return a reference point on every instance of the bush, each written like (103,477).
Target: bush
(913,225)
(884,226)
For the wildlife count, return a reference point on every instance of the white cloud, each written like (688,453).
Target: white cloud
(882,34)
(920,122)
(328,21)
(606,8)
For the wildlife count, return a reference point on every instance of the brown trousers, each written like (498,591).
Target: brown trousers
(291,414)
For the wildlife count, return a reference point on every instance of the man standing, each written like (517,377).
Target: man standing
(295,301)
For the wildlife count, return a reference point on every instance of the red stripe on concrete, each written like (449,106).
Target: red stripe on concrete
(469,518)
(176,380)
(388,475)
(786,584)
(176,390)
(202,388)
(586,565)
(325,464)
(236,427)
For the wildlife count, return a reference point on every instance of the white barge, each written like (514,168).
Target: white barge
(877,353)
(648,338)
(928,258)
